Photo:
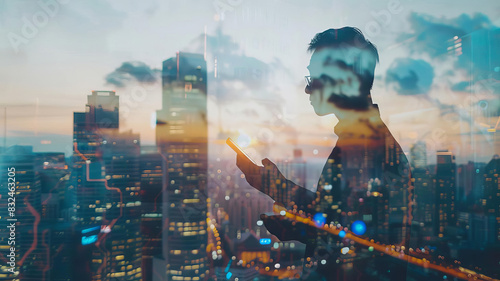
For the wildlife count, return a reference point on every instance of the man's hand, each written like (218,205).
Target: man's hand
(286,230)
(255,174)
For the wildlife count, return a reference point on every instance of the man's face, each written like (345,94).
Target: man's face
(333,83)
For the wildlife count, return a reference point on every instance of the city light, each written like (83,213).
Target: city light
(358,227)
(265,241)
(319,219)
(86,240)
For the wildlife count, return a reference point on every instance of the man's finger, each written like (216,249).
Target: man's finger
(266,162)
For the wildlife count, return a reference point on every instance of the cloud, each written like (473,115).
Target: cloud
(409,76)
(490,108)
(461,86)
(130,71)
(472,40)
(434,35)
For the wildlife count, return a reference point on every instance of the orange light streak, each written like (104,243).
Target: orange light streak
(461,272)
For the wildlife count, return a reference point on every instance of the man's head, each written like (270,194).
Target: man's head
(341,70)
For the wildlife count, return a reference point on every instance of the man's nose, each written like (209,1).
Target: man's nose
(308,90)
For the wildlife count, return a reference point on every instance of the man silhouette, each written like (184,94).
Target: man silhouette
(366,177)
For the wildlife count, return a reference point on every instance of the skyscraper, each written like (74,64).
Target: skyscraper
(491,200)
(423,216)
(445,192)
(87,138)
(25,213)
(106,184)
(54,175)
(181,137)
(151,201)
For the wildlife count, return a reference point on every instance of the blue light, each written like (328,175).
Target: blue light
(265,241)
(319,219)
(228,275)
(228,266)
(342,234)
(358,227)
(86,240)
(90,229)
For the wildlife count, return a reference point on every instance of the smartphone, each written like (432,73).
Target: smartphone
(238,150)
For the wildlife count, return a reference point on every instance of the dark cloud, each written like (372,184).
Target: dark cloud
(130,71)
(410,77)
(473,40)
(236,72)
(461,86)
(434,35)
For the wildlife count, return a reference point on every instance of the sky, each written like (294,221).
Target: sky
(437,79)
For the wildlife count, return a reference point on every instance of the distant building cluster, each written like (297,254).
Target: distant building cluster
(115,210)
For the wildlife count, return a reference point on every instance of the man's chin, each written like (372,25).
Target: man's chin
(320,113)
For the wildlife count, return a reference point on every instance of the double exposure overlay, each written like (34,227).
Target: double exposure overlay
(249,140)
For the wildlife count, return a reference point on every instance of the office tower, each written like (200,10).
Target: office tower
(54,175)
(88,128)
(58,251)
(375,211)
(151,201)
(244,210)
(181,137)
(396,176)
(105,185)
(295,169)
(423,214)
(330,188)
(491,198)
(25,216)
(445,212)
(55,232)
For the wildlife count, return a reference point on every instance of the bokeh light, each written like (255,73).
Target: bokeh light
(319,219)
(358,227)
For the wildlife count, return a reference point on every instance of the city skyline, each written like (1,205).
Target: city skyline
(447,159)
(115,117)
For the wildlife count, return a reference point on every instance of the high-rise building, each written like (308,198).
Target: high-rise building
(20,207)
(423,215)
(105,185)
(54,175)
(400,205)
(445,211)
(87,139)
(244,210)
(295,169)
(491,200)
(181,137)
(152,210)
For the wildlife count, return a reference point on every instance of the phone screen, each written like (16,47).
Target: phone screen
(238,149)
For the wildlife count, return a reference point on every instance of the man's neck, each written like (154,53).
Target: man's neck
(347,115)
(356,122)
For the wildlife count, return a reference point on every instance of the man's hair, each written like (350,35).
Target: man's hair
(347,37)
